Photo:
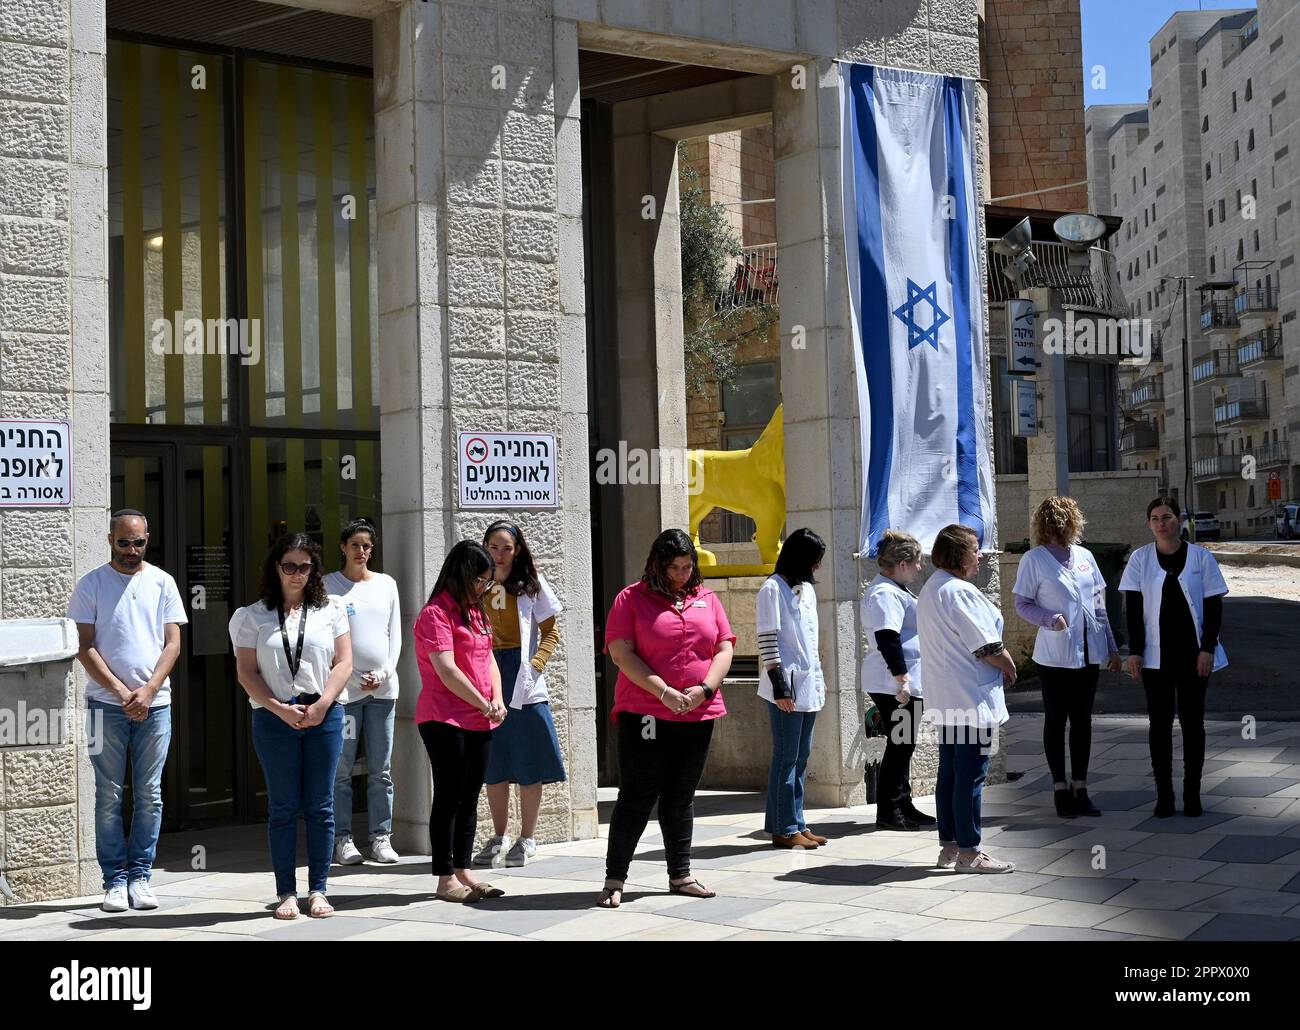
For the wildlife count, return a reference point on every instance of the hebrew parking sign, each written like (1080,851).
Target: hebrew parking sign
(35,464)
(507,470)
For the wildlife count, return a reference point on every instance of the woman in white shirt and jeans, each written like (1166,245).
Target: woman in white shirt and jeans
(1060,589)
(791,683)
(370,698)
(293,656)
(965,666)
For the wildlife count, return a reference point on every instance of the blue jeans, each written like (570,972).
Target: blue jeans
(113,737)
(791,745)
(371,717)
(958,790)
(299,767)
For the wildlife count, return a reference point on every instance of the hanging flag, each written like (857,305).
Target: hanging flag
(912,253)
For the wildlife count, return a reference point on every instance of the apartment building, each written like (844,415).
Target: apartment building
(1204,176)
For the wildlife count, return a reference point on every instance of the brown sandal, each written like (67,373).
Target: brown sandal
(680,888)
(460,895)
(610,897)
(486,890)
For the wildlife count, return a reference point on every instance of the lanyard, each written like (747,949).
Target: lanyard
(294,657)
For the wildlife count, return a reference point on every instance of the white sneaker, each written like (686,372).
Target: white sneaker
(983,863)
(381,849)
(493,853)
(947,856)
(141,894)
(524,849)
(115,898)
(346,853)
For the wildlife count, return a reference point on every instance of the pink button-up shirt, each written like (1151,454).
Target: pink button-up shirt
(441,627)
(678,646)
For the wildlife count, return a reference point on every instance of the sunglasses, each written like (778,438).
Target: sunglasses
(124,544)
(482,581)
(291,569)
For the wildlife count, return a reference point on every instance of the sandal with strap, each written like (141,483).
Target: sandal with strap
(318,906)
(288,907)
(680,888)
(610,897)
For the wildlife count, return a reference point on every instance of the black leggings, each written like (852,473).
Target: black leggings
(1068,695)
(899,722)
(658,761)
(459,759)
(1184,688)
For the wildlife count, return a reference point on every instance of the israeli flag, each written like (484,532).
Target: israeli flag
(912,247)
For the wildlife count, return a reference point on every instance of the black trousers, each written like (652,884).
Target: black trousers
(658,761)
(1181,689)
(899,722)
(459,759)
(1068,695)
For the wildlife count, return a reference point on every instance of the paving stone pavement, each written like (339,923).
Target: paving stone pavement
(1233,874)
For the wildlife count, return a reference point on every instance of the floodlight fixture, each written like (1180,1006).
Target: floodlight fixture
(1079,231)
(1015,247)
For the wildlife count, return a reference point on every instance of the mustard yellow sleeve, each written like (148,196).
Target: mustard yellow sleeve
(549,639)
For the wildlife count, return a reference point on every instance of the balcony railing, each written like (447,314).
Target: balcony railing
(1218,314)
(1256,300)
(1095,287)
(1230,412)
(753,279)
(1215,365)
(1221,466)
(1271,454)
(1233,466)
(1263,346)
(1149,391)
(1139,436)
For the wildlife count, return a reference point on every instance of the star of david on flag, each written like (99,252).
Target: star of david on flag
(906,313)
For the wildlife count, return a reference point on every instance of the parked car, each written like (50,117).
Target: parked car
(1207,526)
(1287,523)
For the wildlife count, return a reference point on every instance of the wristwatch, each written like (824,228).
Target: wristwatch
(708,691)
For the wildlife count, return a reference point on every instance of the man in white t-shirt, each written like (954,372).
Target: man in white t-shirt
(129,616)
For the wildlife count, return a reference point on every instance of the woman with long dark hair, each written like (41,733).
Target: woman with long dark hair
(670,638)
(370,700)
(458,707)
(293,656)
(792,683)
(525,749)
(1173,593)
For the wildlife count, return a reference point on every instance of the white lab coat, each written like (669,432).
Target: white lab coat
(954,620)
(792,615)
(530,685)
(1199,579)
(887,605)
(1076,593)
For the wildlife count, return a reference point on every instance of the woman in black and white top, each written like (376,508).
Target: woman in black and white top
(293,656)
(891,675)
(1174,596)
(791,683)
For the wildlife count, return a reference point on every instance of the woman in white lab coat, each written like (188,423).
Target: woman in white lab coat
(1174,596)
(1060,589)
(965,665)
(891,675)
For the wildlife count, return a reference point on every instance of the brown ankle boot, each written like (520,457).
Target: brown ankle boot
(792,840)
(816,838)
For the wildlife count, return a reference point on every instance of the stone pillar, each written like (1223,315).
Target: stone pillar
(53,365)
(1048,453)
(481,326)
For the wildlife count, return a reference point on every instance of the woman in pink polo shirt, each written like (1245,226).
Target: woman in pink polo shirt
(672,643)
(459,706)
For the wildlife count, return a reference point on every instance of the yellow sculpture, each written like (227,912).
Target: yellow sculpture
(749,482)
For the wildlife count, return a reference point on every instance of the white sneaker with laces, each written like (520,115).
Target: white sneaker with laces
(141,894)
(115,898)
(346,853)
(381,849)
(493,852)
(524,849)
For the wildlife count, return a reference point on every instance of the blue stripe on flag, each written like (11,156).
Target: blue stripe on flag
(873,304)
(968,494)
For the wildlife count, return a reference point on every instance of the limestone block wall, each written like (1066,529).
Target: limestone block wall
(53,365)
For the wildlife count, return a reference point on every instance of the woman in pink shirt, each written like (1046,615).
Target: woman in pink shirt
(672,643)
(459,706)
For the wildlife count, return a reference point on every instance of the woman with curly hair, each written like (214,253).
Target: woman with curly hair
(1060,589)
(293,657)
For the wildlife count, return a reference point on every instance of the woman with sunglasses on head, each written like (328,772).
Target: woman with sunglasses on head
(525,749)
(370,699)
(792,683)
(458,707)
(1173,593)
(293,656)
(670,638)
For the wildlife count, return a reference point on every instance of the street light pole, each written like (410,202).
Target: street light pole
(1188,500)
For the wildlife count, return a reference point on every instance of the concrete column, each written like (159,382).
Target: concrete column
(822,472)
(652,364)
(1048,453)
(482,327)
